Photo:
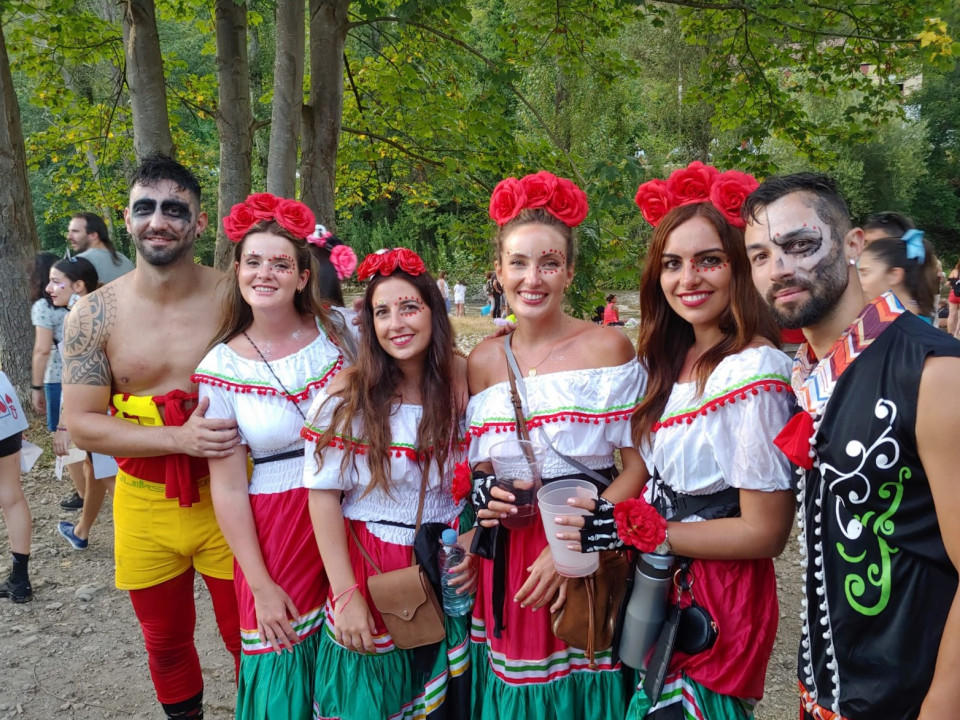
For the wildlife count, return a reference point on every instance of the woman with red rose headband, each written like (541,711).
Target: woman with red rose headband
(380,431)
(718,393)
(276,346)
(581,383)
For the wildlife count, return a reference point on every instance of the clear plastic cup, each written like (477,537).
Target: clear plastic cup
(517,465)
(553,498)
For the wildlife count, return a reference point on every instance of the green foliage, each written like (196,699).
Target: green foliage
(443,98)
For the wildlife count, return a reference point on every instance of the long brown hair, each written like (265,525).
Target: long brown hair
(236,315)
(372,387)
(665,337)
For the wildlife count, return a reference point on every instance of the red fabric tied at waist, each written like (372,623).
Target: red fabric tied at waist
(178,472)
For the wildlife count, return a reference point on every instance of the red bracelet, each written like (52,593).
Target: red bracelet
(349,591)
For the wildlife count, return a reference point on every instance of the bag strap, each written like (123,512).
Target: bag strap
(413,551)
(518,393)
(513,372)
(685,505)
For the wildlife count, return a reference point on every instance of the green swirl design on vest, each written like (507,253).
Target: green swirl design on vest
(877,573)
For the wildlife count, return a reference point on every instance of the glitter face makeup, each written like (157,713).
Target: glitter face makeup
(267,271)
(401,319)
(533,270)
(695,273)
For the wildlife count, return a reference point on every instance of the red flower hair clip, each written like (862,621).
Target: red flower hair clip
(292,215)
(386,262)
(558,196)
(696,183)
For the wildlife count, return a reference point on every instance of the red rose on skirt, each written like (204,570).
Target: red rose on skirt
(728,193)
(507,200)
(692,184)
(238,223)
(639,524)
(263,205)
(539,188)
(654,200)
(569,203)
(295,217)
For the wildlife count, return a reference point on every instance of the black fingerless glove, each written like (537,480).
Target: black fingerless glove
(485,540)
(599,531)
(481,497)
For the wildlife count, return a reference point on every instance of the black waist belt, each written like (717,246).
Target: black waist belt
(279,456)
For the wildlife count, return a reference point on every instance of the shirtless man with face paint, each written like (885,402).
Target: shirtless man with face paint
(876,454)
(132,346)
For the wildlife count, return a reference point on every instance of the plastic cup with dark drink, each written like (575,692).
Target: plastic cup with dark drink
(517,465)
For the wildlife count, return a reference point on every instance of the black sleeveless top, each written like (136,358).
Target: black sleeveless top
(879,583)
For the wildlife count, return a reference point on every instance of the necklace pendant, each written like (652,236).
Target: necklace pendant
(532,372)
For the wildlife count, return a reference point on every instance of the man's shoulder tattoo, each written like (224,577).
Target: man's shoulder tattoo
(85,338)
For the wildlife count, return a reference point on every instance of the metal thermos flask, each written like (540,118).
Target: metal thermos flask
(646,609)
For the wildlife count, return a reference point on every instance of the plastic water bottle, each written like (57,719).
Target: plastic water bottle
(646,609)
(451,555)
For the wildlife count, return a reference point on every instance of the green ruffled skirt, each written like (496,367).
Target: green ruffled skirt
(278,687)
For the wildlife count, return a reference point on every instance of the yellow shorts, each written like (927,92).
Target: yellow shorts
(157,540)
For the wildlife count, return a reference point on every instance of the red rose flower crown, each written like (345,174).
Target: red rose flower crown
(292,215)
(696,183)
(558,196)
(386,262)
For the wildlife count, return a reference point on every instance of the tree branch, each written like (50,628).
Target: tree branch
(393,144)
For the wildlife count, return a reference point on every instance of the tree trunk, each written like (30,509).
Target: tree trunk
(148,90)
(323,115)
(287,99)
(234,117)
(18,239)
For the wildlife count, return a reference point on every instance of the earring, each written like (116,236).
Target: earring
(852,261)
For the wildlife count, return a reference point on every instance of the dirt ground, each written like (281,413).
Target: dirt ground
(76,651)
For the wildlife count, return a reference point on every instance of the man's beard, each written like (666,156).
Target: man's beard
(164,256)
(831,277)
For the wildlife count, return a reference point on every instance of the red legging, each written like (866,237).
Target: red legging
(167,617)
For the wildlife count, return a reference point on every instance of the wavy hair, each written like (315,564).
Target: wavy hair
(236,315)
(373,385)
(665,337)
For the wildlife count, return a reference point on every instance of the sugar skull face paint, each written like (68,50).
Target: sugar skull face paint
(267,272)
(164,222)
(798,263)
(401,319)
(695,273)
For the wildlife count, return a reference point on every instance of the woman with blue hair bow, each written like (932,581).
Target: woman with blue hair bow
(906,266)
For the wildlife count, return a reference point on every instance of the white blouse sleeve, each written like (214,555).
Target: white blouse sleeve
(222,402)
(330,474)
(742,432)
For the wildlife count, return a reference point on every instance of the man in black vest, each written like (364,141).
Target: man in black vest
(877,454)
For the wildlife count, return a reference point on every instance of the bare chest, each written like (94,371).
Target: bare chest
(153,350)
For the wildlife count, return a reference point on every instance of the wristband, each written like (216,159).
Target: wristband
(62,429)
(36,387)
